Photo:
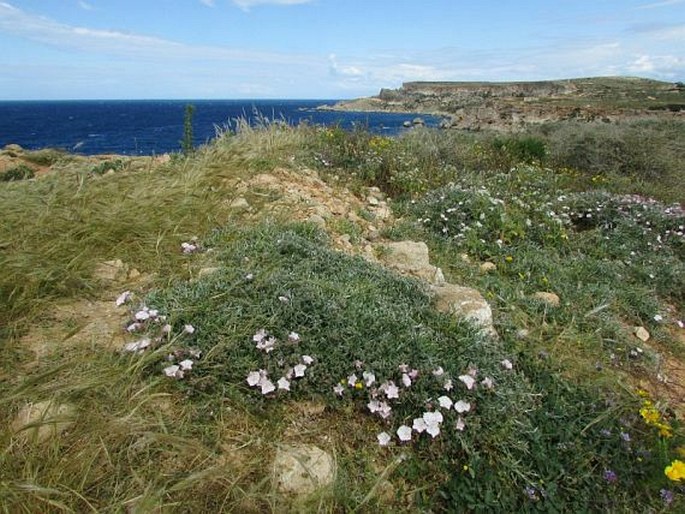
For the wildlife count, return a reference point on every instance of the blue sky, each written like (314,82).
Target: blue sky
(125,49)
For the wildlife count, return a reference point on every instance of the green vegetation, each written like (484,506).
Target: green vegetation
(187,145)
(19,172)
(287,340)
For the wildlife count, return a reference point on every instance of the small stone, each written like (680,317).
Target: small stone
(464,302)
(239,204)
(134,274)
(317,220)
(110,270)
(465,257)
(40,421)
(372,200)
(642,334)
(487,267)
(302,469)
(548,298)
(208,271)
(522,333)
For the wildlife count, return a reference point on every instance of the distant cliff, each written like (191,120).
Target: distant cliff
(507,105)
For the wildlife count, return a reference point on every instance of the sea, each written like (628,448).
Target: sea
(154,127)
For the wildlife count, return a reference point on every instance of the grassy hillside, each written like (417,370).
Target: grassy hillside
(254,260)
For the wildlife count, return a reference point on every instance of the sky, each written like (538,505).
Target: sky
(323,49)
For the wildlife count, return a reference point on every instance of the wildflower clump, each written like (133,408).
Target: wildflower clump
(676,471)
(653,417)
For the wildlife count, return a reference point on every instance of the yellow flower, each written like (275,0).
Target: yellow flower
(676,471)
(508,258)
(359,385)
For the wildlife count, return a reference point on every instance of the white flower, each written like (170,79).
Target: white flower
(188,329)
(153,313)
(680,324)
(294,337)
(166,329)
(488,383)
(438,372)
(358,364)
(404,433)
(307,359)
(137,346)
(142,315)
(468,380)
(445,402)
(448,385)
(374,406)
(461,406)
(406,380)
(259,336)
(339,389)
(283,383)
(352,379)
(186,365)
(433,418)
(299,370)
(267,386)
(433,430)
(283,299)
(188,247)
(384,410)
(133,327)
(253,378)
(419,425)
(173,371)
(390,389)
(249,276)
(460,424)
(383,438)
(123,298)
(404,368)
(658,317)
(195,353)
(413,373)
(369,378)
(267,344)
(506,364)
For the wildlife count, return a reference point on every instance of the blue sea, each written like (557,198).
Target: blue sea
(150,127)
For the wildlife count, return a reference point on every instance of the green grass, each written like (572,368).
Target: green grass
(549,436)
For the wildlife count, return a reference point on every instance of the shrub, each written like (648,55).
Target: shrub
(19,172)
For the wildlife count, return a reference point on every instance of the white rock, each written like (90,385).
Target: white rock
(302,469)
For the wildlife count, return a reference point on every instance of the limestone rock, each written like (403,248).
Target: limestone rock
(411,258)
(239,204)
(463,302)
(110,270)
(40,421)
(642,334)
(487,267)
(302,469)
(548,298)
(317,220)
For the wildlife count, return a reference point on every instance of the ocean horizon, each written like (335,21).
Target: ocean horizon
(153,127)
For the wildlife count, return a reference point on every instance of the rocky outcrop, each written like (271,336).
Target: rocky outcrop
(512,105)
(411,258)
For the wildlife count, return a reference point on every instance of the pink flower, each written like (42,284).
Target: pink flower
(506,364)
(460,424)
(468,381)
(461,406)
(299,370)
(369,378)
(406,380)
(383,438)
(188,329)
(123,298)
(445,402)
(186,365)
(283,383)
(307,359)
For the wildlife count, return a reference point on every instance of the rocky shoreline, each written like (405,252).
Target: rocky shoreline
(514,105)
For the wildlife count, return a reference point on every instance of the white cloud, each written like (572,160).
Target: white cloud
(85,5)
(247,4)
(208,3)
(656,5)
(124,44)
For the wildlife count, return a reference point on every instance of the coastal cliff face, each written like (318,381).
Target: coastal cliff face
(508,105)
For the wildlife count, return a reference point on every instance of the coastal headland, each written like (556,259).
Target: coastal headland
(513,105)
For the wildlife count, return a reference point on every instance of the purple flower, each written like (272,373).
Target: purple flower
(531,493)
(625,436)
(666,496)
(610,476)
